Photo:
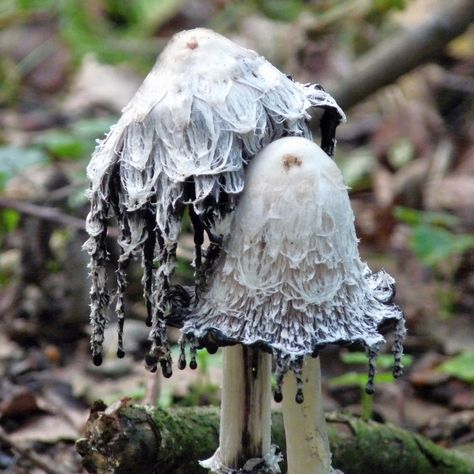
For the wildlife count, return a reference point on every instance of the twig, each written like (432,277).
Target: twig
(42,212)
(352,9)
(65,191)
(48,213)
(458,83)
(397,56)
(31,456)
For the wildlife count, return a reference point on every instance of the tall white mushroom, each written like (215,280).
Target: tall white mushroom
(288,282)
(206,108)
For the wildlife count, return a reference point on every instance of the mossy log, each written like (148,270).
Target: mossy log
(134,439)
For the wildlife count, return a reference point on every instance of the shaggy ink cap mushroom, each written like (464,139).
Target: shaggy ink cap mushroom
(289,279)
(206,108)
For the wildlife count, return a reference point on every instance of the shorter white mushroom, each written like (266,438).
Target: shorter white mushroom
(289,281)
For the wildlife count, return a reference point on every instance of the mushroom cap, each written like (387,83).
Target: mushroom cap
(290,278)
(206,108)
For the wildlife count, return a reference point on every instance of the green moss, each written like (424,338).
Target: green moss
(145,440)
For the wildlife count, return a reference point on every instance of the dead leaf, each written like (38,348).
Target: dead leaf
(17,400)
(455,192)
(101,85)
(45,429)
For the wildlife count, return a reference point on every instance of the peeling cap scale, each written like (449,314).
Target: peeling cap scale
(281,277)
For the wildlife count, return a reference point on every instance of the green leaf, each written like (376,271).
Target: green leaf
(387,5)
(283,10)
(62,144)
(354,357)
(461,367)
(415,217)
(433,245)
(384,361)
(359,379)
(76,142)
(8,220)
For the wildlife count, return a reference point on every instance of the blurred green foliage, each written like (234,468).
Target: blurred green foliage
(461,367)
(283,10)
(383,6)
(16,159)
(8,220)
(384,361)
(358,379)
(75,142)
(435,243)
(204,391)
(119,31)
(432,238)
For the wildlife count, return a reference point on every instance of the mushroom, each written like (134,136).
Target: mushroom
(206,108)
(288,281)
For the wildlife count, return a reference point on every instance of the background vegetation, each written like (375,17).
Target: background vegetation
(407,152)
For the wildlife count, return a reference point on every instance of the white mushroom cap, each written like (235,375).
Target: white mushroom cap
(207,107)
(203,93)
(290,278)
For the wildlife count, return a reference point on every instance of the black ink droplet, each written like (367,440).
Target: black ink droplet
(278,397)
(299,398)
(97,359)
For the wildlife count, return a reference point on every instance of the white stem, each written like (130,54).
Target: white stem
(246,405)
(245,409)
(307,445)
(153,388)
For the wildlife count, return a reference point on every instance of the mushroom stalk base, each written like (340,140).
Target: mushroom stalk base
(307,445)
(244,438)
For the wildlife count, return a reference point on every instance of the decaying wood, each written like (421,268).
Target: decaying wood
(397,56)
(128,438)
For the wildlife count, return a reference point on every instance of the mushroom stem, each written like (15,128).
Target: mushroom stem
(244,438)
(307,445)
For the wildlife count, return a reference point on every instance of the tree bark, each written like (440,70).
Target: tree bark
(410,49)
(135,439)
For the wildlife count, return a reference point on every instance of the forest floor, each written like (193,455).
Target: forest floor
(407,154)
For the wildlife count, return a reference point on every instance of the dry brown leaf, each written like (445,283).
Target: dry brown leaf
(455,192)
(98,84)
(45,429)
(17,400)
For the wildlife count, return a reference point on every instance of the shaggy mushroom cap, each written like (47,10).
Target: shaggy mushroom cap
(206,108)
(289,278)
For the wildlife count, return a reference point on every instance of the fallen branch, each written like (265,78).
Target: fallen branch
(43,212)
(397,56)
(51,214)
(132,439)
